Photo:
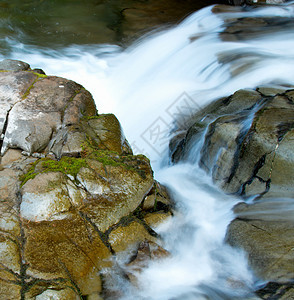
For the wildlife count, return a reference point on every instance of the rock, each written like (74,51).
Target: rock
(128,234)
(13,86)
(64,294)
(140,17)
(254,2)
(47,105)
(103,130)
(102,22)
(72,193)
(155,219)
(119,193)
(247,146)
(147,251)
(245,28)
(13,65)
(265,231)
(266,1)
(236,103)
(236,2)
(272,90)
(157,199)
(274,290)
(9,184)
(10,156)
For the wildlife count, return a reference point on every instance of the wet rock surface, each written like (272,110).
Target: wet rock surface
(238,27)
(246,144)
(265,231)
(72,194)
(274,290)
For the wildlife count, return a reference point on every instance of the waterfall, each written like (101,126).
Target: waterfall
(153,86)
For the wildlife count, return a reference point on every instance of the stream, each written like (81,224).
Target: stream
(154,86)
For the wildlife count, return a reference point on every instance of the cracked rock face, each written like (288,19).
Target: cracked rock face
(72,195)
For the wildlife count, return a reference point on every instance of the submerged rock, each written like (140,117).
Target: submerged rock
(72,194)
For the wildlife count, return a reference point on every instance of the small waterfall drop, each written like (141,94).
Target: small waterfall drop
(152,87)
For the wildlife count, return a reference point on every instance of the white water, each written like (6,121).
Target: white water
(148,86)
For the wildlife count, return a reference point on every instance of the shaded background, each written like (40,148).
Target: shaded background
(59,23)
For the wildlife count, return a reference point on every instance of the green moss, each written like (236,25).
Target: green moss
(88,146)
(31,174)
(67,165)
(27,92)
(109,158)
(90,150)
(39,75)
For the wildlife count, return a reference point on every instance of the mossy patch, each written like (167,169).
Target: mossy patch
(67,165)
(90,150)
(27,92)
(39,75)
(31,174)
(108,158)
(111,158)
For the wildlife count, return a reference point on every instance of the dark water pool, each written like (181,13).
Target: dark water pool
(59,23)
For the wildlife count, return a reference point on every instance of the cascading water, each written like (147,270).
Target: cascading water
(153,87)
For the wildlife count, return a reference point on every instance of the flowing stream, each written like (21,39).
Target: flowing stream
(153,86)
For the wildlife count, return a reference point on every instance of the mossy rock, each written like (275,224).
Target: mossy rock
(68,184)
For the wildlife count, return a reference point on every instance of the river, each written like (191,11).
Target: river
(152,86)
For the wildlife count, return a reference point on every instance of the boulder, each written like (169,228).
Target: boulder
(72,194)
(265,230)
(247,145)
(13,65)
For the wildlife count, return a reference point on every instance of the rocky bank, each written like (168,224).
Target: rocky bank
(247,147)
(73,197)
